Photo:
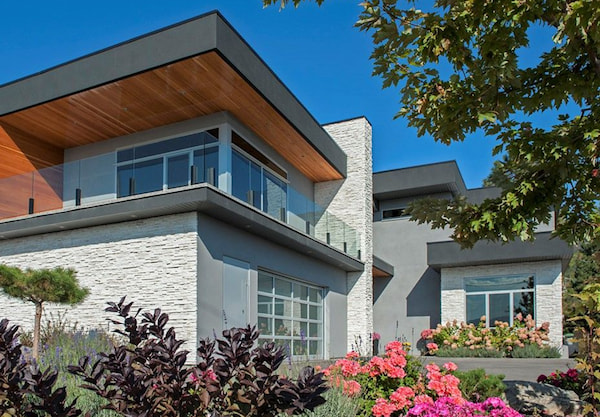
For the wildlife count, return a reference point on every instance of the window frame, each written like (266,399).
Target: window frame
(165,157)
(263,168)
(292,338)
(510,293)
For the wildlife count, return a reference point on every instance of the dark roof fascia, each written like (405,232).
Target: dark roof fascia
(419,181)
(449,254)
(383,266)
(205,33)
(478,195)
(199,198)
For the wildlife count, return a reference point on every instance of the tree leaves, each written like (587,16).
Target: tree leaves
(489,85)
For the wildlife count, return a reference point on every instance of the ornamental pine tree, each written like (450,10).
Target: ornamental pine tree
(58,285)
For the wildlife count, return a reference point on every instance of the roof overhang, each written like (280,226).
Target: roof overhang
(449,254)
(382,269)
(442,177)
(198,67)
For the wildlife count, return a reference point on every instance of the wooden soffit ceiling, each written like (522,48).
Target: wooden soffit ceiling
(194,87)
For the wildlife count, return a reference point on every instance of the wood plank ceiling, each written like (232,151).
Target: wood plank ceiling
(194,87)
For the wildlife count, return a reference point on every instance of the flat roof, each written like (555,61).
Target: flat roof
(545,247)
(88,94)
(419,180)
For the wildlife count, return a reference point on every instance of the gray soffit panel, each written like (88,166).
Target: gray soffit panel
(205,33)
(383,266)
(449,254)
(203,198)
(419,181)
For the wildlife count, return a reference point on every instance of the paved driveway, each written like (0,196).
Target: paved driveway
(512,369)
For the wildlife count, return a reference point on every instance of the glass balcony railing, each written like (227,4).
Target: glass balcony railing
(98,179)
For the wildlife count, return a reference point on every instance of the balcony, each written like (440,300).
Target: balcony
(112,177)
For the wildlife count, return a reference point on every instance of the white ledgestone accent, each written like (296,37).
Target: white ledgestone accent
(152,261)
(548,291)
(351,200)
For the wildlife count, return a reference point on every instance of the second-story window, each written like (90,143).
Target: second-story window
(171,163)
(257,180)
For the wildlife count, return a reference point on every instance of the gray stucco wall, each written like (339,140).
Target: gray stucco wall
(152,261)
(217,240)
(409,302)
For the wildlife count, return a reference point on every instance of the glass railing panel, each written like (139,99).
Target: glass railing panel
(301,212)
(98,179)
(48,189)
(15,195)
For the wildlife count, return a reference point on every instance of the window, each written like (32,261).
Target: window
(171,163)
(257,180)
(394,213)
(499,298)
(291,314)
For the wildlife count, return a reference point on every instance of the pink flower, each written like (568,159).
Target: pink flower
(376,336)
(427,334)
(423,399)
(432,347)
(450,366)
(351,388)
(383,408)
(402,396)
(352,355)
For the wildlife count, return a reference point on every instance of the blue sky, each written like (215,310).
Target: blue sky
(315,51)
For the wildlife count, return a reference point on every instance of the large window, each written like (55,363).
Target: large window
(291,314)
(171,163)
(499,298)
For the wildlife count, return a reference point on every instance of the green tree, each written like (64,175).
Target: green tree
(498,177)
(38,286)
(466,66)
(583,270)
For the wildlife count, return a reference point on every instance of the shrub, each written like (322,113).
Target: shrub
(64,344)
(24,389)
(535,351)
(464,352)
(502,337)
(147,376)
(572,380)
(449,407)
(336,405)
(475,385)
(396,384)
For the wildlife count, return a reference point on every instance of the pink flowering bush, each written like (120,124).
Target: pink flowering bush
(501,338)
(395,384)
(448,406)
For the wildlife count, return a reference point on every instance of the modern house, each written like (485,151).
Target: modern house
(178,170)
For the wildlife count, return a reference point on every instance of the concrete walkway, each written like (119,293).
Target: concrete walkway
(512,369)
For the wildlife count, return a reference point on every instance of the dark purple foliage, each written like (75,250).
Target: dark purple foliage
(148,378)
(24,389)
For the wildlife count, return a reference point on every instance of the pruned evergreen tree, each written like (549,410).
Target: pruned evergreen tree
(38,286)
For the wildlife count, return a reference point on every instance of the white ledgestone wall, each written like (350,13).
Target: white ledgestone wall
(152,261)
(548,291)
(351,200)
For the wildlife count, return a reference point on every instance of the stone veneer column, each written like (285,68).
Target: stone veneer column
(351,200)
